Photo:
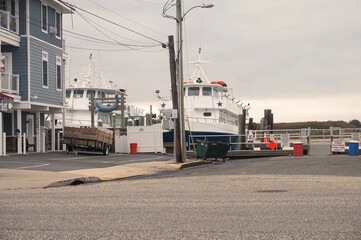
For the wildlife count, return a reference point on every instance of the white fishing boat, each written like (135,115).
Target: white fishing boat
(209,107)
(78,98)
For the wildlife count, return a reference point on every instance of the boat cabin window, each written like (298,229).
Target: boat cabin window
(78,93)
(89,93)
(207,114)
(193,91)
(207,91)
(102,94)
(67,94)
(215,92)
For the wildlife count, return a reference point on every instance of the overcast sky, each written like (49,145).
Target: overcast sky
(300,58)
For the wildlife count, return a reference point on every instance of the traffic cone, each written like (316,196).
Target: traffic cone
(265,137)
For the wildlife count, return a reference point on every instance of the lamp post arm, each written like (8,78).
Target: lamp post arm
(198,6)
(190,10)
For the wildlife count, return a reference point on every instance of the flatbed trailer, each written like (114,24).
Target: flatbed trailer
(88,139)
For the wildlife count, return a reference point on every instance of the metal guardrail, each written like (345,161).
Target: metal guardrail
(284,137)
(9,83)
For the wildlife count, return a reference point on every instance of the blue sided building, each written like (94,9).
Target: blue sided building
(31,71)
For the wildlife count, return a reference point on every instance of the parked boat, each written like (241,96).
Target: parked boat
(78,98)
(209,107)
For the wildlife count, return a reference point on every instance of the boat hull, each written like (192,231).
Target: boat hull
(192,137)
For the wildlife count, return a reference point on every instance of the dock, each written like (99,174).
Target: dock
(258,153)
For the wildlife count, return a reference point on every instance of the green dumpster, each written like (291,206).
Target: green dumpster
(212,150)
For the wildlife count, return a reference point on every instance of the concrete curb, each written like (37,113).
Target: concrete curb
(190,164)
(93,179)
(73,181)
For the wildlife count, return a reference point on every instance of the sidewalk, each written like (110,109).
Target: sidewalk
(28,179)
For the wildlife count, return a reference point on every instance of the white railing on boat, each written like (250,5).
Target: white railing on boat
(212,120)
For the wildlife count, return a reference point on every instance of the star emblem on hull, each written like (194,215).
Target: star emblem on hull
(219,104)
(163,105)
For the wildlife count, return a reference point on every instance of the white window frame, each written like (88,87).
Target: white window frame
(44,57)
(58,64)
(42,18)
(56,25)
(8,62)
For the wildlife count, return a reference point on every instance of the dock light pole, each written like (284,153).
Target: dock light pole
(179,18)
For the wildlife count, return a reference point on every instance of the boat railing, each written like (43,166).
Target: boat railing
(283,138)
(211,120)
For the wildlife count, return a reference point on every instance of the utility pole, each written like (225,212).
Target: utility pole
(173,77)
(179,17)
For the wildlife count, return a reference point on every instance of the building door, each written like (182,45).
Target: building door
(30,128)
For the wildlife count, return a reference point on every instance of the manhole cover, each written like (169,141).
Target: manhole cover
(272,191)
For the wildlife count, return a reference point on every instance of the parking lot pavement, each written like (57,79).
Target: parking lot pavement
(60,169)
(61,161)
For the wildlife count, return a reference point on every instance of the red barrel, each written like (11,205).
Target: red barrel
(297,149)
(133,148)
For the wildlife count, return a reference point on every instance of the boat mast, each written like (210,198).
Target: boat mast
(198,71)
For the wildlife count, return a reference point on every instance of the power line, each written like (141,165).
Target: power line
(106,42)
(83,37)
(112,50)
(93,25)
(168,5)
(117,24)
(110,10)
(148,2)
(111,31)
(87,38)
(98,29)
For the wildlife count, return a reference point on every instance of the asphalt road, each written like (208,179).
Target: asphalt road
(269,198)
(62,161)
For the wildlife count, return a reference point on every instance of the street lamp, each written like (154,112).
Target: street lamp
(179,19)
(199,6)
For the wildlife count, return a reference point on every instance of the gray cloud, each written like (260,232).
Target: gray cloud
(277,51)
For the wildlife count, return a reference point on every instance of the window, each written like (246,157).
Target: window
(193,91)
(215,92)
(12,8)
(44,18)
(207,114)
(3,5)
(89,93)
(67,94)
(45,69)
(207,91)
(78,93)
(58,73)
(7,63)
(57,23)
(222,117)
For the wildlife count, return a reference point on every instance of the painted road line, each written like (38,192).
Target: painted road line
(75,158)
(145,159)
(35,166)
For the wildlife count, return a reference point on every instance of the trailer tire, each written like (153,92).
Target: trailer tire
(70,148)
(106,150)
